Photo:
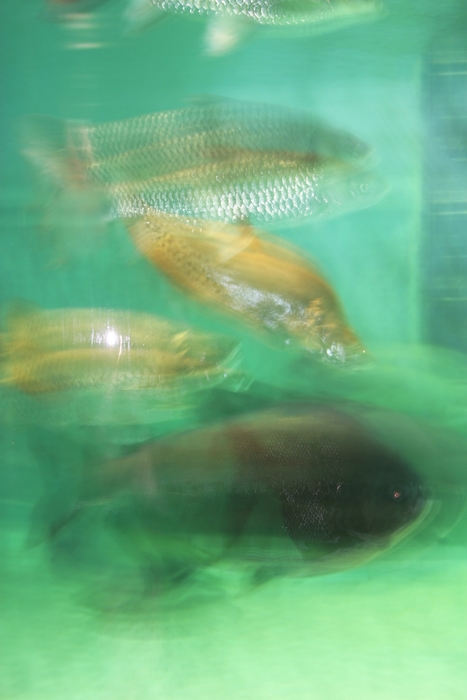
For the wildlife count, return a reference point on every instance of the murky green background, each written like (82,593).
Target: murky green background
(393,629)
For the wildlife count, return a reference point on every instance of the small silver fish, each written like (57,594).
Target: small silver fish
(230,20)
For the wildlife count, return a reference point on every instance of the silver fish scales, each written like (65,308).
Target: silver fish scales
(221,160)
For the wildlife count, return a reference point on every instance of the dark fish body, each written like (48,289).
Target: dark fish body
(308,478)
(221,160)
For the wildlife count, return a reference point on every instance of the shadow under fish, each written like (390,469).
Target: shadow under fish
(297,490)
(256,278)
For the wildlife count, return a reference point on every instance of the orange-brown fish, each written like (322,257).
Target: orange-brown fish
(57,350)
(262,282)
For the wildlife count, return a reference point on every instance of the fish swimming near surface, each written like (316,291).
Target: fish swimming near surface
(258,279)
(59,350)
(69,9)
(231,20)
(219,160)
(301,489)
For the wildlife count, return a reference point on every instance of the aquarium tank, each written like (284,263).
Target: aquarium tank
(233,349)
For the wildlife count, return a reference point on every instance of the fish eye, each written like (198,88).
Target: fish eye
(400,494)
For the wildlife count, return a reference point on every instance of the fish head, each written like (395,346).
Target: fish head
(365,494)
(381,500)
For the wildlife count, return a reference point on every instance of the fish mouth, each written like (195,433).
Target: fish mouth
(425,511)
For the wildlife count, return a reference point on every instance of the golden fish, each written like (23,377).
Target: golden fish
(222,160)
(269,286)
(64,349)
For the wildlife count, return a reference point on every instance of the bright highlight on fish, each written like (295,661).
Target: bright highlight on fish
(262,282)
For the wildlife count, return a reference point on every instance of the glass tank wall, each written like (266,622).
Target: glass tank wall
(233,407)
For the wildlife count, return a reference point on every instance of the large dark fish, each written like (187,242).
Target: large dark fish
(299,488)
(222,160)
(258,279)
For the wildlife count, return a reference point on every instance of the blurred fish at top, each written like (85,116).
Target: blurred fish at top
(65,10)
(231,20)
(258,279)
(218,160)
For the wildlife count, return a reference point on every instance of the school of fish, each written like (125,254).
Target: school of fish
(300,487)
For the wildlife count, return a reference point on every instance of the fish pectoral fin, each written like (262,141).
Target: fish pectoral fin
(230,240)
(142,14)
(340,560)
(224,34)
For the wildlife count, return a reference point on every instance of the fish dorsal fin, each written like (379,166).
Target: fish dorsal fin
(231,240)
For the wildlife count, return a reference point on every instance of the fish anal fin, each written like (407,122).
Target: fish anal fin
(224,34)
(230,239)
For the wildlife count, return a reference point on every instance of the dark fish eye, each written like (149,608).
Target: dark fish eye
(400,494)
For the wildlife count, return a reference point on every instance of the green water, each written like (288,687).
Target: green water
(74,621)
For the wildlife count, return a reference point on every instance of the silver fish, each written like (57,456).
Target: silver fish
(230,20)
(223,160)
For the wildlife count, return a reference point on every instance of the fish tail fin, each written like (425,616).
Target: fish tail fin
(48,520)
(52,147)
(17,337)
(62,459)
(73,207)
